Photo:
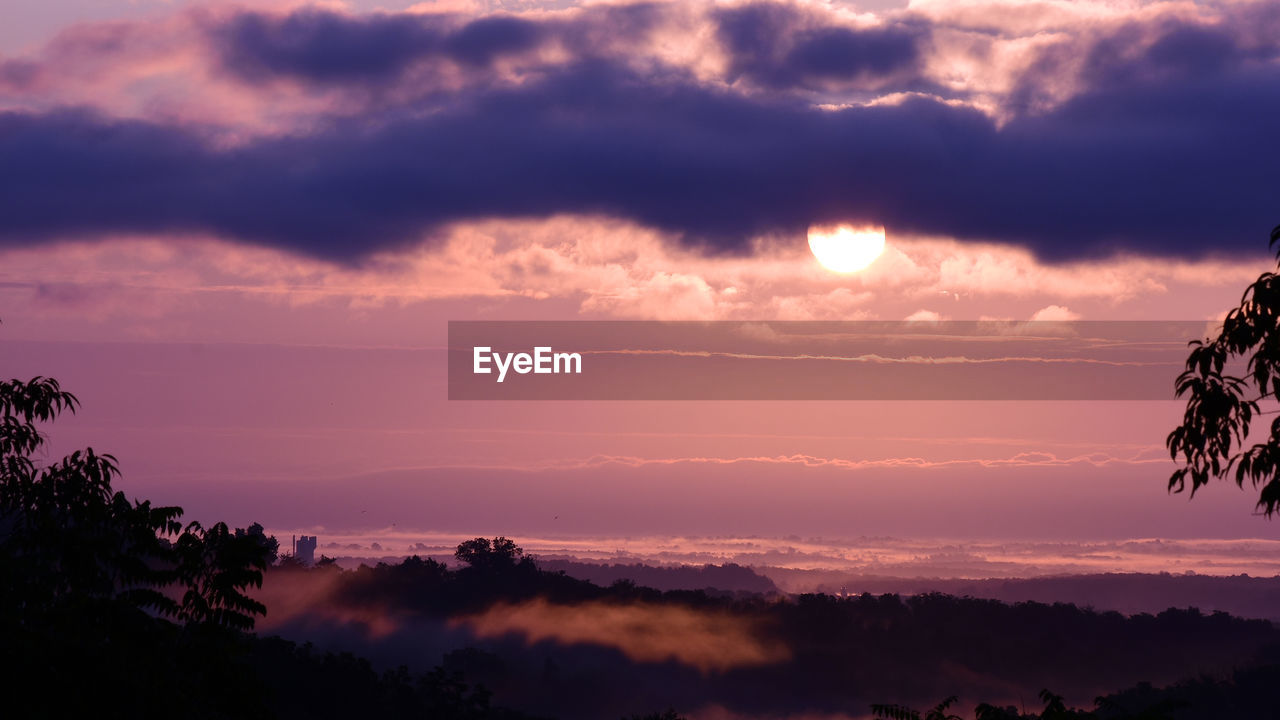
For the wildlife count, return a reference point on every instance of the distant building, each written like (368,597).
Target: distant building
(304,548)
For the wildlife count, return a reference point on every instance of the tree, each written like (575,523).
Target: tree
(70,546)
(1221,406)
(92,580)
(901,712)
(216,567)
(1055,708)
(66,541)
(268,542)
(499,554)
(668,714)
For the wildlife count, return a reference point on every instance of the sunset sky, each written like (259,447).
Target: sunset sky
(237,231)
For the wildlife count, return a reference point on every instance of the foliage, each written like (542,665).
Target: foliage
(216,567)
(498,554)
(1055,708)
(63,534)
(92,580)
(1221,406)
(311,685)
(901,712)
(71,543)
(268,542)
(668,714)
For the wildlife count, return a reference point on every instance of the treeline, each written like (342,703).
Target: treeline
(1243,695)
(729,577)
(488,571)
(1240,595)
(842,653)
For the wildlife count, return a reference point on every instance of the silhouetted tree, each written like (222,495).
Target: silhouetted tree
(90,576)
(68,541)
(1210,442)
(216,567)
(901,712)
(289,561)
(498,554)
(1164,709)
(1055,708)
(269,542)
(668,714)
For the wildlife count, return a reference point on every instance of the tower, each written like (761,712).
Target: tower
(304,548)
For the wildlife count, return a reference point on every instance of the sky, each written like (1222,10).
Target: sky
(238,232)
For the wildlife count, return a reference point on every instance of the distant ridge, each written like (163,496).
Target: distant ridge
(729,577)
(1130,593)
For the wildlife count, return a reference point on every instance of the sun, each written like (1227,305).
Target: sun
(845,248)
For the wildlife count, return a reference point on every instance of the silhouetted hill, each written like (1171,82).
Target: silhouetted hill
(1244,693)
(303,684)
(728,577)
(1239,595)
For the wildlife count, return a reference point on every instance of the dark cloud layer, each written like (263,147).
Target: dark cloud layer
(329,47)
(1161,51)
(770,45)
(325,47)
(775,45)
(1175,168)
(1171,150)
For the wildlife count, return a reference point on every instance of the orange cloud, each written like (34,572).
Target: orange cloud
(708,641)
(581,266)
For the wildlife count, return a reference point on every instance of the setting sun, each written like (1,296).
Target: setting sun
(844,248)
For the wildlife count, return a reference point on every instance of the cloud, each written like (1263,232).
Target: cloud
(325,46)
(924,316)
(1055,313)
(777,45)
(717,169)
(1148,140)
(566,266)
(709,641)
(307,601)
(1022,459)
